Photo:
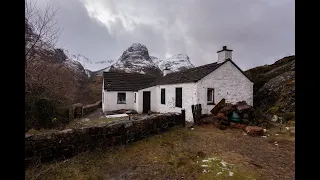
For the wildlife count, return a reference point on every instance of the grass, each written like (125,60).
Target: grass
(179,153)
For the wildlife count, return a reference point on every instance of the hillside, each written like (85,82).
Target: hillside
(274,88)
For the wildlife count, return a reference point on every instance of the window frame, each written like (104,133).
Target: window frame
(212,97)
(125,98)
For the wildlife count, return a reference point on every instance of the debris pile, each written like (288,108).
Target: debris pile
(226,115)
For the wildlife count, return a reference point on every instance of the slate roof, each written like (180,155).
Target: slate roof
(116,81)
(189,75)
(134,82)
(193,74)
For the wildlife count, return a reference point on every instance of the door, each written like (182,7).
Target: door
(146,101)
(179,97)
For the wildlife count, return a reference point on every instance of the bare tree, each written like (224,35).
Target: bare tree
(41,27)
(41,32)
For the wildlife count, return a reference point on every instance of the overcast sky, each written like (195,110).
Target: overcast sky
(258,31)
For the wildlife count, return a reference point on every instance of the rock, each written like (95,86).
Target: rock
(233,125)
(245,121)
(221,115)
(254,130)
(227,109)
(275,118)
(242,106)
(222,127)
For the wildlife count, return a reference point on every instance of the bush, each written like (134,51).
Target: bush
(44,113)
(273,110)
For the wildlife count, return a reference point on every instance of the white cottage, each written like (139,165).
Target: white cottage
(205,85)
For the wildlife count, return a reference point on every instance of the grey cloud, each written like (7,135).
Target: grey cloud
(258,31)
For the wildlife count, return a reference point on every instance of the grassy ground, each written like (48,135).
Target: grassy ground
(202,153)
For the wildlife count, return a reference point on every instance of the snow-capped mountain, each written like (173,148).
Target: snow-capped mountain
(175,63)
(107,62)
(136,59)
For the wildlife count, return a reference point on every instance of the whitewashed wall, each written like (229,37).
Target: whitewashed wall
(229,83)
(188,98)
(153,99)
(110,100)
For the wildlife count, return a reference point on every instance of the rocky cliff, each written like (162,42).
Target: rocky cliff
(274,88)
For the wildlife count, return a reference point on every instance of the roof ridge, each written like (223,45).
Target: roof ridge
(135,73)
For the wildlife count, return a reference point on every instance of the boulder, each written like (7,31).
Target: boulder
(254,130)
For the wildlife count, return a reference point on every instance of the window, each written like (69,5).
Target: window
(135,97)
(163,96)
(210,96)
(121,98)
(178,97)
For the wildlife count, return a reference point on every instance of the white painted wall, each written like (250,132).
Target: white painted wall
(153,99)
(188,98)
(229,83)
(110,100)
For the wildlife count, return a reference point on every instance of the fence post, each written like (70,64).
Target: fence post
(183,117)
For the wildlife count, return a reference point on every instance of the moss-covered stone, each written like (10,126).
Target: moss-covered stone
(289,116)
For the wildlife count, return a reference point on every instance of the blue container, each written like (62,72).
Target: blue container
(234,118)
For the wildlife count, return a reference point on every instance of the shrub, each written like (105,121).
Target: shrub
(44,113)
(273,110)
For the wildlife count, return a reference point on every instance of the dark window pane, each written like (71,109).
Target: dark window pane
(163,96)
(178,97)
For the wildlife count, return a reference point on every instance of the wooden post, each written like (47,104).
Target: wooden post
(183,117)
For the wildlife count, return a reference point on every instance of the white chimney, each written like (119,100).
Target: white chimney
(224,54)
(166,71)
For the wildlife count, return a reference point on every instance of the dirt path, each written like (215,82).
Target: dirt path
(94,115)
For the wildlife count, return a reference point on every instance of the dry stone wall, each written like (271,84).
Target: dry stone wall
(67,143)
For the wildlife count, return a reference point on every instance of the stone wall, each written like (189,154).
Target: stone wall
(69,142)
(91,107)
(78,110)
